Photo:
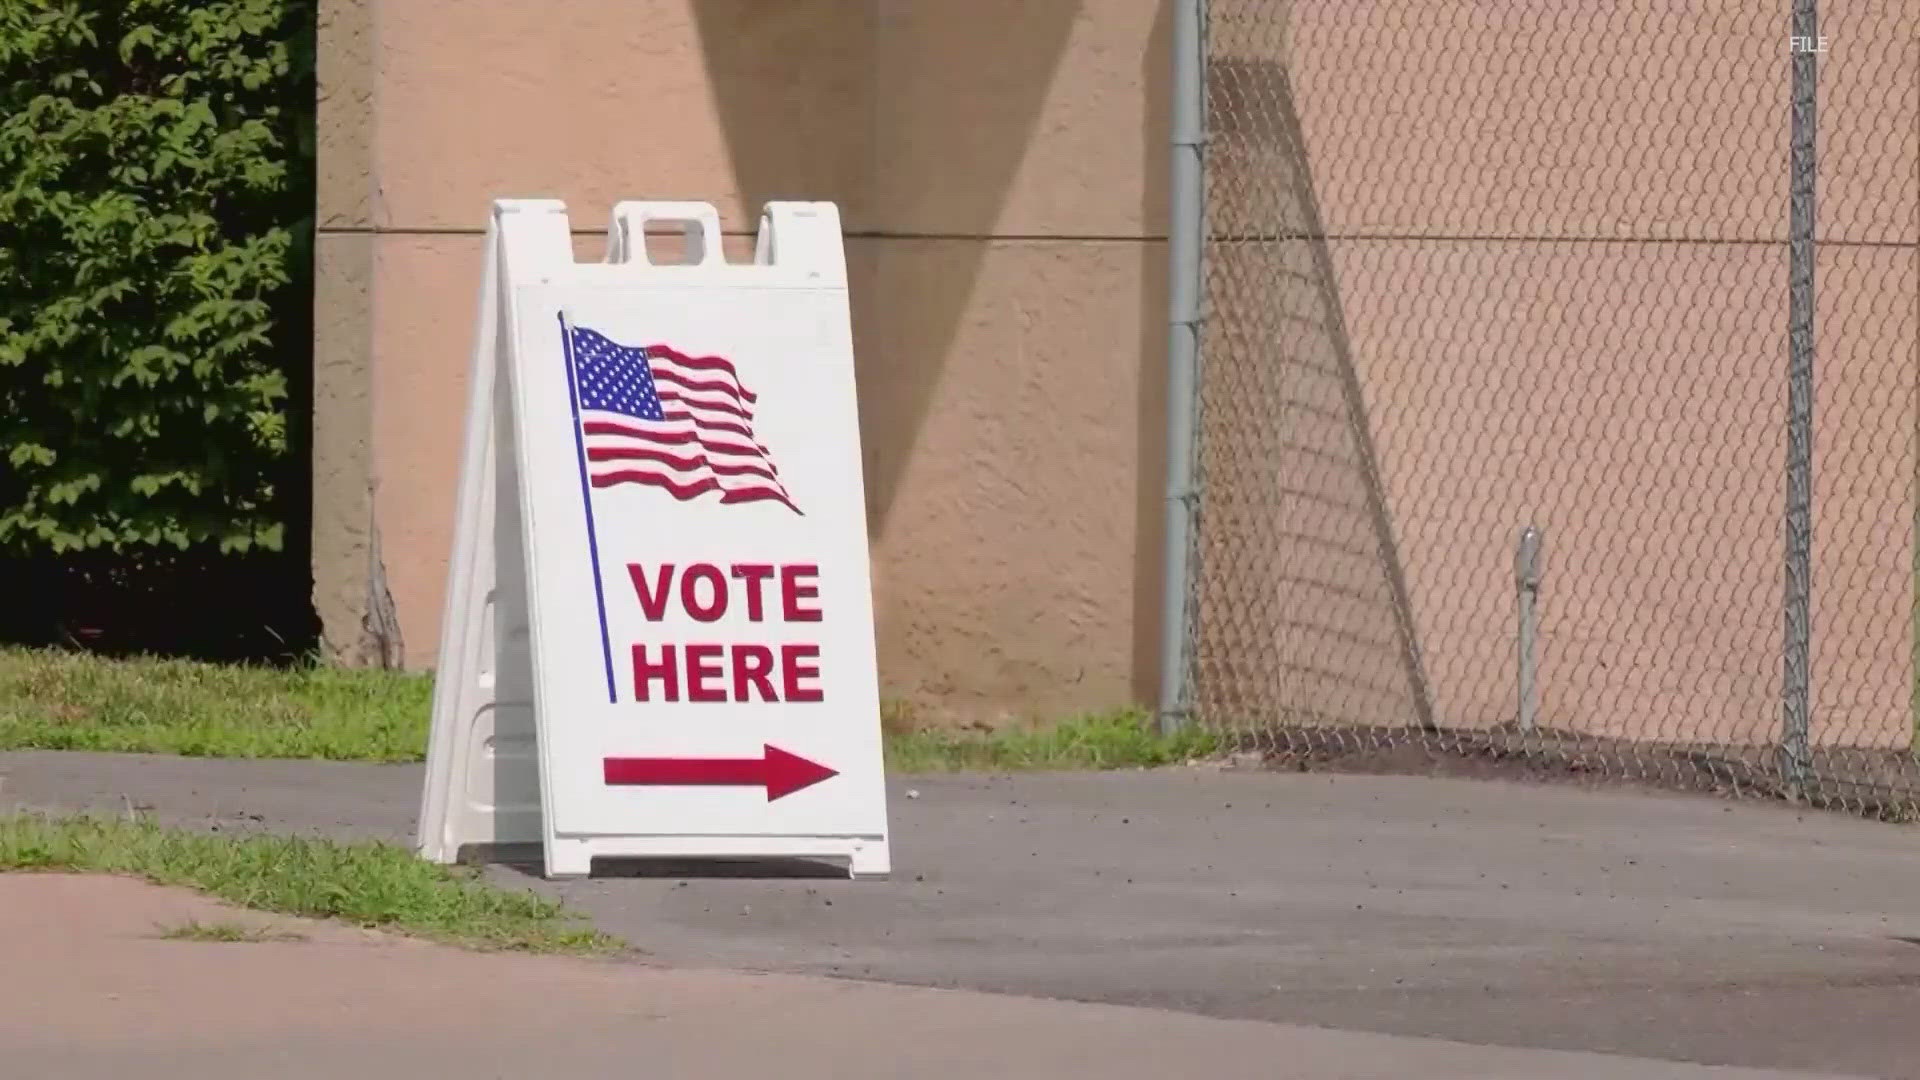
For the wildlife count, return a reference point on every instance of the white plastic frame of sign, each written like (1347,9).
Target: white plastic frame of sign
(658,639)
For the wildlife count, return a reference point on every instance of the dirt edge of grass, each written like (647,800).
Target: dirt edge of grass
(362,883)
(223,931)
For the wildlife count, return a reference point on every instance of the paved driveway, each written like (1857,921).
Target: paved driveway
(1678,928)
(91,993)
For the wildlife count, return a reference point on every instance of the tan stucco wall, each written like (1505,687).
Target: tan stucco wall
(1554,293)
(1003,192)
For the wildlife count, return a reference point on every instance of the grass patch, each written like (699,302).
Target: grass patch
(368,884)
(1121,739)
(61,700)
(225,932)
(53,699)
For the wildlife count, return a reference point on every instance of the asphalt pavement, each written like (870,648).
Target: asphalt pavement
(94,993)
(1678,928)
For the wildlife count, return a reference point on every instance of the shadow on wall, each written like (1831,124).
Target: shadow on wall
(1156,76)
(1301,611)
(913,116)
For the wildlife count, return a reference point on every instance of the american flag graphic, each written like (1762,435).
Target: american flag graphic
(656,416)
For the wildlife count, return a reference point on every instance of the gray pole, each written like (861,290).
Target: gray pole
(1796,707)
(1526,580)
(1185,224)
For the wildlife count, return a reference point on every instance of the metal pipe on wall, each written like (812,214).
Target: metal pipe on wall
(1186,224)
(1797,645)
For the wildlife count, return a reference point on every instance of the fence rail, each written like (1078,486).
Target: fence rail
(1469,269)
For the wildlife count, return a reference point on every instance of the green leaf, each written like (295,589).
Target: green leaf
(134,39)
(155,172)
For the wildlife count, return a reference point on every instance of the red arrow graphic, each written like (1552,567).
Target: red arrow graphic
(779,772)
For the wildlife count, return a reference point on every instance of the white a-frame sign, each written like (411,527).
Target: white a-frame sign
(659,626)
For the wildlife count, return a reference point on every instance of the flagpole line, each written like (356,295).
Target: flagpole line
(586,502)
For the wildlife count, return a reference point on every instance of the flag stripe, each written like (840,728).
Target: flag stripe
(684,464)
(693,402)
(672,438)
(727,426)
(688,382)
(684,492)
(735,476)
(666,356)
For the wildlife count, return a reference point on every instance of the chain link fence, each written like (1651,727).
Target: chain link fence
(1471,268)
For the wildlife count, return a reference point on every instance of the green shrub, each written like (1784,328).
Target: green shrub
(155,215)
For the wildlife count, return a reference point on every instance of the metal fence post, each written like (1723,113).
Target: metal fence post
(1185,225)
(1797,645)
(1526,581)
